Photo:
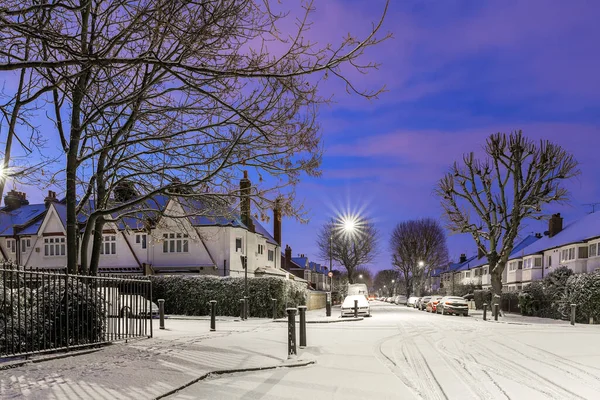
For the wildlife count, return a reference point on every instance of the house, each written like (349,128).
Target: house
(575,246)
(313,273)
(163,235)
(451,276)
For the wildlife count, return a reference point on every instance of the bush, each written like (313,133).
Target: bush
(584,291)
(34,320)
(189,295)
(482,296)
(509,301)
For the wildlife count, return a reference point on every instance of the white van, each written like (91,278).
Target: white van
(358,288)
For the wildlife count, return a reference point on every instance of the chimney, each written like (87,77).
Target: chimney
(463,258)
(14,200)
(277,222)
(555,225)
(480,253)
(245,202)
(538,235)
(51,198)
(288,256)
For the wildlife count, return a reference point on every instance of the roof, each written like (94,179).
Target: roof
(517,249)
(19,217)
(262,231)
(300,261)
(577,231)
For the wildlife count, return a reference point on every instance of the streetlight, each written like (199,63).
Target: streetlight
(393,287)
(360,276)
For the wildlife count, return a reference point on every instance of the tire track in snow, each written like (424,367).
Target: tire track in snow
(525,376)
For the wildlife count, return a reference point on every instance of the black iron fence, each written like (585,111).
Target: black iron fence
(53,310)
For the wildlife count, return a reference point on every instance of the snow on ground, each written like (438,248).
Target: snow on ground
(399,353)
(403,353)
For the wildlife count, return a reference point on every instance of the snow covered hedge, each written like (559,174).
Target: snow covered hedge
(583,290)
(544,299)
(36,319)
(190,295)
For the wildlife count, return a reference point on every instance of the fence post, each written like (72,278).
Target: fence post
(485,311)
(355,308)
(213,307)
(274,301)
(242,309)
(161,313)
(302,310)
(496,311)
(68,331)
(291,312)
(573,307)
(328,304)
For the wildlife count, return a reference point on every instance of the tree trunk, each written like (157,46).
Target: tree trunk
(87,234)
(496,275)
(96,246)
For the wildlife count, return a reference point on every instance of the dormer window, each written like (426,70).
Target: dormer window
(54,246)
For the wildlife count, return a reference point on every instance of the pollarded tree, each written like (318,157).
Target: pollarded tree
(349,247)
(490,197)
(418,247)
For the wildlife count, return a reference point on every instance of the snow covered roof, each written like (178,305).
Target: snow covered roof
(578,231)
(516,252)
(20,217)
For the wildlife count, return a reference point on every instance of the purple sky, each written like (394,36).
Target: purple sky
(456,71)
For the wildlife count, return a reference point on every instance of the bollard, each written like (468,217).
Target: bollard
(496,311)
(573,307)
(302,310)
(355,308)
(274,308)
(213,307)
(328,305)
(161,312)
(242,309)
(291,312)
(485,311)
(247,307)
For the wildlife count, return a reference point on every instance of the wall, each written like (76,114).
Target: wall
(316,300)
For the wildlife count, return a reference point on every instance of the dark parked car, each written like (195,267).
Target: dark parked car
(422,303)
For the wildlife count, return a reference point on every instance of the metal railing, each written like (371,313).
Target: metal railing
(53,310)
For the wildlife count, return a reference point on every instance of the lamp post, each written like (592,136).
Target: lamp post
(393,287)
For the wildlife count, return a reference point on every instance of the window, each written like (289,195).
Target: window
(572,253)
(593,248)
(54,246)
(567,254)
(271,255)
(582,252)
(238,245)
(141,239)
(537,262)
(549,261)
(485,271)
(468,274)
(527,264)
(175,243)
(11,245)
(260,249)
(109,245)
(25,244)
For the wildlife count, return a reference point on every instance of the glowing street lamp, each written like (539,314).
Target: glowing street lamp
(421,264)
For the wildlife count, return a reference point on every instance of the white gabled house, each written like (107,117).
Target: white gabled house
(172,235)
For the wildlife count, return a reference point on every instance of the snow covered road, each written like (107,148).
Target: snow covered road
(402,353)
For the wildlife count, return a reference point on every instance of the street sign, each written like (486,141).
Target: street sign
(330,274)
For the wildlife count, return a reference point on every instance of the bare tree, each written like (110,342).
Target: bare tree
(489,198)
(385,281)
(348,248)
(418,247)
(363,274)
(218,75)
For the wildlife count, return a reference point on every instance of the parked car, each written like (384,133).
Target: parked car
(422,303)
(363,306)
(432,303)
(400,300)
(412,301)
(452,305)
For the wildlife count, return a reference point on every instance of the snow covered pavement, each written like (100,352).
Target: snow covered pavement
(403,353)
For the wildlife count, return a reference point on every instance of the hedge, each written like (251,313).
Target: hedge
(544,299)
(36,319)
(190,295)
(584,291)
